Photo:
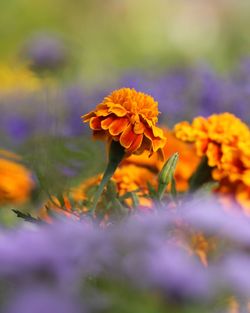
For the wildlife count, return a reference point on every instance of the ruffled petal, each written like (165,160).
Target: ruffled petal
(118,110)
(102,110)
(136,144)
(157,144)
(95,123)
(107,122)
(149,134)
(87,117)
(139,128)
(127,137)
(158,132)
(118,126)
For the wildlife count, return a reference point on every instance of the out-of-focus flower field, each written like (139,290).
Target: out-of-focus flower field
(124,156)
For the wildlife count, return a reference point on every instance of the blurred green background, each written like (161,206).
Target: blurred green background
(104,37)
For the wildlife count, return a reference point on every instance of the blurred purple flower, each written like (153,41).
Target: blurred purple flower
(208,215)
(46,52)
(16,127)
(141,251)
(41,300)
(235,273)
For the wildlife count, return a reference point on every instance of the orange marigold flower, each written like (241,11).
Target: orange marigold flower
(128,178)
(225,140)
(186,165)
(129,117)
(15,182)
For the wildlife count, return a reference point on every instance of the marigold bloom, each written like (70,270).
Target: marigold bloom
(129,117)
(15,183)
(225,140)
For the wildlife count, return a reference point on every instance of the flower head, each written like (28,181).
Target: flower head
(15,183)
(129,117)
(225,140)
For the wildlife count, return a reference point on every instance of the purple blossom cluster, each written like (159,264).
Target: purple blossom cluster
(45,51)
(181,93)
(188,92)
(73,267)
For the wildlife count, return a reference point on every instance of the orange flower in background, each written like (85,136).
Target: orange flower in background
(225,140)
(15,182)
(128,178)
(129,117)
(234,193)
(187,164)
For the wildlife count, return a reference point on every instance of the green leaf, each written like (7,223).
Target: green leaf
(173,190)
(27,217)
(152,191)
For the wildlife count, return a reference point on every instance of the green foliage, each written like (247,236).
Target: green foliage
(49,157)
(27,217)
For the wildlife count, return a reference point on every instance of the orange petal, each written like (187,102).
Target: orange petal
(106,122)
(149,134)
(158,143)
(87,117)
(158,132)
(118,126)
(139,128)
(118,110)
(102,110)
(127,137)
(95,123)
(136,143)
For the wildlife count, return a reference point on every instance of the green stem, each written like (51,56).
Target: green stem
(116,154)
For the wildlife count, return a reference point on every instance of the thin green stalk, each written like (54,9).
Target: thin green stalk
(116,154)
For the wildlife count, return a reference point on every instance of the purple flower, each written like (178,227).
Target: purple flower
(41,299)
(46,52)
(17,127)
(234,274)
(144,252)
(208,215)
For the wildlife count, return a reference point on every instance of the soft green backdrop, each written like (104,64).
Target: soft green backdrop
(107,36)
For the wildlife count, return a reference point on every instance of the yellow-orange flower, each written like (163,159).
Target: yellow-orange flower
(225,140)
(128,178)
(187,163)
(129,117)
(15,182)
